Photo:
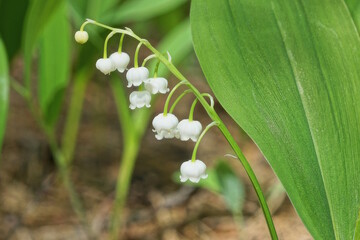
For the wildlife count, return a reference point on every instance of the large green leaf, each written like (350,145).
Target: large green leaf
(140,10)
(54,65)
(288,73)
(4,90)
(12,14)
(37,16)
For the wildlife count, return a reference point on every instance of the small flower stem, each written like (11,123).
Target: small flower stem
(191,114)
(193,158)
(156,69)
(73,117)
(166,106)
(121,42)
(147,59)
(136,61)
(83,25)
(215,117)
(193,105)
(62,168)
(106,42)
(178,100)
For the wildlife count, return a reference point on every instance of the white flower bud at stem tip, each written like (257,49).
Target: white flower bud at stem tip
(81,37)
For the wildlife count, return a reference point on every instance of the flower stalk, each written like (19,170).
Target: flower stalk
(211,113)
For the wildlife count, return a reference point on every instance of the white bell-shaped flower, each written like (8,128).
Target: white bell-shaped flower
(120,61)
(139,99)
(157,85)
(104,65)
(136,76)
(194,171)
(189,130)
(81,37)
(165,126)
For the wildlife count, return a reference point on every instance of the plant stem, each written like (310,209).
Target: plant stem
(69,136)
(65,176)
(178,99)
(121,43)
(192,108)
(136,57)
(62,167)
(193,158)
(131,145)
(215,117)
(166,105)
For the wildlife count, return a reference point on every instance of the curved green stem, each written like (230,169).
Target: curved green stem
(215,117)
(121,42)
(147,59)
(178,100)
(83,25)
(193,105)
(106,42)
(136,61)
(193,158)
(166,105)
(156,69)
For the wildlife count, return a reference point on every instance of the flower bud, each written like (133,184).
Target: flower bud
(104,65)
(193,171)
(120,61)
(81,37)
(189,130)
(136,76)
(139,99)
(157,85)
(165,126)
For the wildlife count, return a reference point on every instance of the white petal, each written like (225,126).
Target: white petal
(193,179)
(104,65)
(183,179)
(136,76)
(120,60)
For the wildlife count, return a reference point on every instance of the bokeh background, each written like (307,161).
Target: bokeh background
(33,201)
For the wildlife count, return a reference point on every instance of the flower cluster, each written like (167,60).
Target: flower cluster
(165,125)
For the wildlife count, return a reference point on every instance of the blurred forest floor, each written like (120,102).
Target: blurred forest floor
(34,204)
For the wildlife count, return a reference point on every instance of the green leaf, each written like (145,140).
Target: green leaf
(37,16)
(12,14)
(357,228)
(4,90)
(231,188)
(354,8)
(140,10)
(54,65)
(288,73)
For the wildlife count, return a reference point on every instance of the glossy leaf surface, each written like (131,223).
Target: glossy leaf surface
(288,73)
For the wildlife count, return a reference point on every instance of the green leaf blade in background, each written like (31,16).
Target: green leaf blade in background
(287,72)
(54,64)
(4,90)
(37,16)
(140,10)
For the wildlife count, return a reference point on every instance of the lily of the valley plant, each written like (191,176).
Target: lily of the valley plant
(166,124)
